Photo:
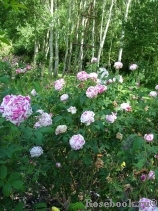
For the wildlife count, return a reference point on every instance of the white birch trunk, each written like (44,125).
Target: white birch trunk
(105,31)
(102,20)
(84,22)
(67,37)
(51,39)
(123,33)
(93,29)
(35,53)
(56,67)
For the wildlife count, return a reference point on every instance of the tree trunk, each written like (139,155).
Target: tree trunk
(56,46)
(51,39)
(105,31)
(93,29)
(84,22)
(67,38)
(35,53)
(123,33)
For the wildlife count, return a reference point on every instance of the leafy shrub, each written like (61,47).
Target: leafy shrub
(109,165)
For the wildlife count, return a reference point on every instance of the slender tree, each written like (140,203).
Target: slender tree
(123,33)
(105,30)
(51,38)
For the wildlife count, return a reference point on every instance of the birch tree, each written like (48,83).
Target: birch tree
(83,27)
(51,38)
(103,37)
(123,33)
(93,29)
(68,34)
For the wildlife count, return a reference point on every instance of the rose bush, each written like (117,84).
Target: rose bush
(109,155)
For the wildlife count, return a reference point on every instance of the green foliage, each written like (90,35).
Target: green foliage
(122,159)
(76,206)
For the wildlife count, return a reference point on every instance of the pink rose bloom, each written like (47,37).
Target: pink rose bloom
(72,110)
(44,119)
(149,137)
(125,106)
(28,67)
(151,175)
(93,76)
(153,94)
(82,76)
(58,84)
(16,108)
(111,118)
(156,87)
(101,88)
(87,117)
(61,129)
(77,142)
(58,165)
(94,60)
(143,177)
(18,70)
(64,97)
(133,67)
(147,205)
(92,92)
(118,65)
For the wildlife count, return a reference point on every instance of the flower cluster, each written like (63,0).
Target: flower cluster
(20,70)
(93,91)
(149,137)
(94,60)
(44,119)
(147,205)
(36,151)
(93,76)
(133,66)
(150,176)
(153,94)
(61,129)
(72,110)
(118,65)
(87,117)
(59,84)
(82,76)
(16,108)
(111,118)
(125,106)
(77,142)
(64,97)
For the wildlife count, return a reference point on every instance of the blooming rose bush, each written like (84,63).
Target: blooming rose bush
(101,141)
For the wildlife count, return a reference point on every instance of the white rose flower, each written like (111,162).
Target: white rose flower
(36,151)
